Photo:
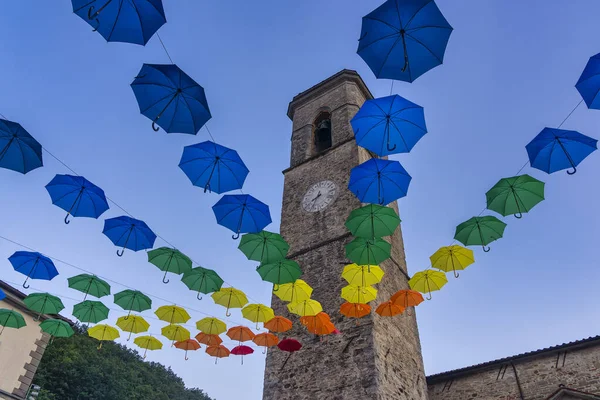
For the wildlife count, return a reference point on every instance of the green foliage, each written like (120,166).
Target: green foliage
(73,369)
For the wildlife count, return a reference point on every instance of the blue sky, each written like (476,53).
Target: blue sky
(508,73)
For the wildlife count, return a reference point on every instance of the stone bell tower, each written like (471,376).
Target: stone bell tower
(379,358)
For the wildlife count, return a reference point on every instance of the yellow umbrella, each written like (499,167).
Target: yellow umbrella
(172,314)
(211,326)
(148,343)
(295,291)
(359,294)
(230,298)
(103,333)
(133,324)
(258,313)
(305,308)
(452,258)
(362,275)
(427,281)
(176,333)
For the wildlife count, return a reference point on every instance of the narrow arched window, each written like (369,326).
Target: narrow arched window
(322,132)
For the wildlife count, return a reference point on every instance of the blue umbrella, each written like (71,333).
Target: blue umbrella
(213,167)
(170,98)
(34,265)
(588,84)
(129,21)
(129,233)
(19,151)
(242,213)
(389,125)
(2,295)
(403,39)
(379,181)
(77,196)
(555,149)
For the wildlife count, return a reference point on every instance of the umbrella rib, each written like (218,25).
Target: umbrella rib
(388,54)
(116,20)
(400,132)
(424,46)
(189,109)
(417,12)
(139,19)
(156,102)
(174,112)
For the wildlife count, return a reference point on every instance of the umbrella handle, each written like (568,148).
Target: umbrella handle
(67,218)
(165,277)
(25,285)
(456,274)
(236,236)
(90,12)
(154,127)
(198,296)
(216,359)
(129,337)
(572,172)
(207,188)
(227,314)
(519,215)
(186,357)
(402,33)
(120,252)
(486,249)
(429,297)
(285,362)
(100,346)
(391,148)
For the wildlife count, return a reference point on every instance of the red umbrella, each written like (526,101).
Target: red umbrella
(289,345)
(242,351)
(186,345)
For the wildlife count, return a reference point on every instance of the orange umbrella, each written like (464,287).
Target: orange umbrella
(209,340)
(219,351)
(186,345)
(407,298)
(389,309)
(278,324)
(355,310)
(240,333)
(265,340)
(319,324)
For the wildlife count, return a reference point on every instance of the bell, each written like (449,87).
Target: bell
(323,131)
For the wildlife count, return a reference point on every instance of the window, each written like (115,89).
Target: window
(322,132)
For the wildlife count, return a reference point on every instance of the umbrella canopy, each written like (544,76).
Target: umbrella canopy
(43,303)
(213,167)
(170,98)
(219,351)
(319,324)
(240,333)
(19,151)
(202,280)
(362,275)
(515,196)
(280,272)
(133,324)
(294,291)
(305,307)
(148,343)
(258,313)
(359,294)
(588,84)
(242,213)
(2,295)
(209,340)
(265,340)
(170,260)
(355,310)
(289,345)
(372,221)
(128,21)
(90,285)
(187,345)
(77,196)
(452,258)
(230,298)
(175,333)
(103,333)
(480,231)
(211,326)
(379,181)
(242,350)
(11,319)
(278,324)
(368,251)
(389,309)
(557,149)
(129,233)
(407,298)
(265,247)
(133,300)
(389,125)
(172,314)
(33,265)
(427,281)
(404,39)
(57,328)
(90,311)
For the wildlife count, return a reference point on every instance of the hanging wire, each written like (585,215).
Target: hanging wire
(164,47)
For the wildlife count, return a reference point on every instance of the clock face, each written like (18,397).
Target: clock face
(319,196)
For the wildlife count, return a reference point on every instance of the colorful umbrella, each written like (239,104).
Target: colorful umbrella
(588,84)
(133,300)
(211,326)
(128,21)
(90,311)
(427,281)
(278,324)
(452,258)
(305,307)
(389,309)
(359,294)
(90,285)
(33,265)
(43,303)
(557,149)
(379,181)
(407,298)
(258,313)
(209,340)
(242,350)
(265,340)
(133,324)
(217,352)
(515,196)
(202,280)
(265,247)
(57,328)
(240,333)
(170,260)
(172,314)
(213,167)
(103,333)
(404,39)
(230,298)
(187,345)
(289,345)
(170,98)
(368,251)
(129,233)
(280,272)
(389,125)
(355,310)
(175,333)
(362,275)
(148,343)
(77,196)
(480,231)
(19,151)
(2,295)
(242,213)
(295,291)
(373,221)
(319,324)
(11,319)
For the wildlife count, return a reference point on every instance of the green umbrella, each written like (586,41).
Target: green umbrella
(133,300)
(202,280)
(11,319)
(43,303)
(90,285)
(57,328)
(90,311)
(480,231)
(280,272)
(265,247)
(170,260)
(368,251)
(516,195)
(373,221)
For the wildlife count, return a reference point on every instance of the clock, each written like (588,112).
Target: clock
(319,196)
